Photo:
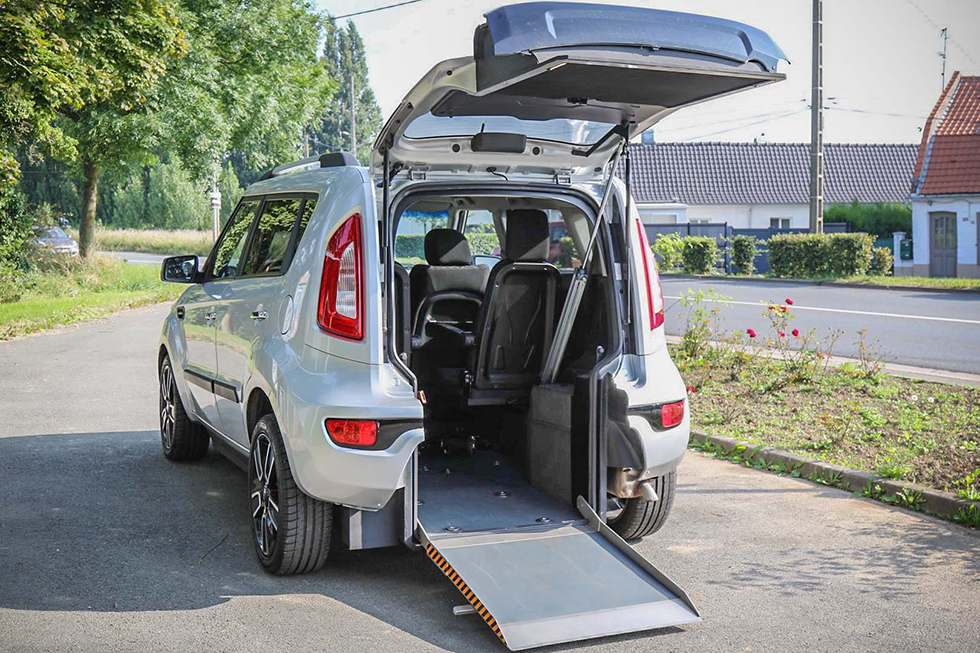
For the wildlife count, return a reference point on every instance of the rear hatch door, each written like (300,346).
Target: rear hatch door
(562,75)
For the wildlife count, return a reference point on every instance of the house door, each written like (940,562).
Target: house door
(942,244)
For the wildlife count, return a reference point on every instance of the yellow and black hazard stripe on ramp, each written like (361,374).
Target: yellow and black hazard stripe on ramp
(461,585)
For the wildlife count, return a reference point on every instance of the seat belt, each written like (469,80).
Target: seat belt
(576,290)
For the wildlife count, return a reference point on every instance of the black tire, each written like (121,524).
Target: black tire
(181,437)
(290,530)
(640,518)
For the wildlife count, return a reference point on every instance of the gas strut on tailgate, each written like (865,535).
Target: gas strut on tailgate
(577,288)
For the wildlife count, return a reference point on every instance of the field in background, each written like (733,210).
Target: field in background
(77,290)
(156,241)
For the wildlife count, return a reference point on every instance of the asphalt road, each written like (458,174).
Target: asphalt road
(144,258)
(926,329)
(106,546)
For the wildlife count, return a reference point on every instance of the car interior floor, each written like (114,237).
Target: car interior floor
(500,450)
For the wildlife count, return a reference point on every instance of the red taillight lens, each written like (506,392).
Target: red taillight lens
(341,307)
(656,315)
(672,414)
(352,432)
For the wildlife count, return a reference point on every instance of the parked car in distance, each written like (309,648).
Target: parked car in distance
(54,240)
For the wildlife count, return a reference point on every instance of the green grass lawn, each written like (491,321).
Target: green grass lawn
(78,291)
(155,241)
(918,282)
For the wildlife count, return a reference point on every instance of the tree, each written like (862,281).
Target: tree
(128,44)
(247,87)
(344,57)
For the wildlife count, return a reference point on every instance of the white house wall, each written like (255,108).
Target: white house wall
(738,216)
(966,209)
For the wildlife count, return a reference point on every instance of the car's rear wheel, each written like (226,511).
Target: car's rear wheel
(291,531)
(181,437)
(638,517)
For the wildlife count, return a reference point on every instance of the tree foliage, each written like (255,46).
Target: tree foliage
(880,220)
(343,57)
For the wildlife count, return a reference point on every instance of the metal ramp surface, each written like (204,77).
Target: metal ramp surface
(547,584)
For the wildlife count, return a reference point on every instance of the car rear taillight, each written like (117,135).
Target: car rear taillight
(672,414)
(652,278)
(341,306)
(353,432)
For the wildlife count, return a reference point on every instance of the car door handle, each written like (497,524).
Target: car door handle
(259,315)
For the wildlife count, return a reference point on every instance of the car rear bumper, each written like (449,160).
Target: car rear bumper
(344,389)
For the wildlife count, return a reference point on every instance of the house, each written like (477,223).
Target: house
(760,185)
(946,186)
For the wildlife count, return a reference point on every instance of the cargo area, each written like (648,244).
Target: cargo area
(508,459)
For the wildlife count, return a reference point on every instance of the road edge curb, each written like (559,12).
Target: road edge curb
(816,282)
(934,502)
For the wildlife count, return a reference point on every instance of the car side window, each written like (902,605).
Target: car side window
(272,236)
(229,250)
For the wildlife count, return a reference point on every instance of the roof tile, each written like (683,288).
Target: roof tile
(769,173)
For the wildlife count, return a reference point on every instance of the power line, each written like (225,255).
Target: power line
(737,127)
(371,11)
(937,26)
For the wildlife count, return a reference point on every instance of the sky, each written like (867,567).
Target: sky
(882,70)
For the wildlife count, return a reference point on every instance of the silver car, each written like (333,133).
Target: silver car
(354,344)
(54,241)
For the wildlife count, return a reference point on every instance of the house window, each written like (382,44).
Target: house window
(699,221)
(779,223)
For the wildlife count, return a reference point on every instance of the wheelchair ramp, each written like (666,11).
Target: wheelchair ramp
(542,585)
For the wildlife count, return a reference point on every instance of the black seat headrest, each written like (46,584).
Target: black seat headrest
(447,247)
(528,237)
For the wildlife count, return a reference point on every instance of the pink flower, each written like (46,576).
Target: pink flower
(796,333)
(750,332)
(789,301)
(781,334)
(785,309)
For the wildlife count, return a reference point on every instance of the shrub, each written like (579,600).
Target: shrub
(669,251)
(878,219)
(700,254)
(411,246)
(882,261)
(566,254)
(820,255)
(744,250)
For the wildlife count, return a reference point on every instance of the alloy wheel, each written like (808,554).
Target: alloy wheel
(168,406)
(265,494)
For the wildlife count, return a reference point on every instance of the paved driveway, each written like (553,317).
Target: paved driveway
(921,328)
(105,546)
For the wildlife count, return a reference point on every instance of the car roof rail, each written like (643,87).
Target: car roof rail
(328,160)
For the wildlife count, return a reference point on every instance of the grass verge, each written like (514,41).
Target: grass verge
(897,428)
(77,290)
(916,282)
(155,241)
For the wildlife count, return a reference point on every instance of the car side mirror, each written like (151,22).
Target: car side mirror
(180,269)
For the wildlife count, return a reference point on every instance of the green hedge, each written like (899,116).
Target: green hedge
(669,249)
(882,261)
(819,255)
(700,254)
(744,250)
(413,246)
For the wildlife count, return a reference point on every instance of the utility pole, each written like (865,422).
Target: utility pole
(945,36)
(816,123)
